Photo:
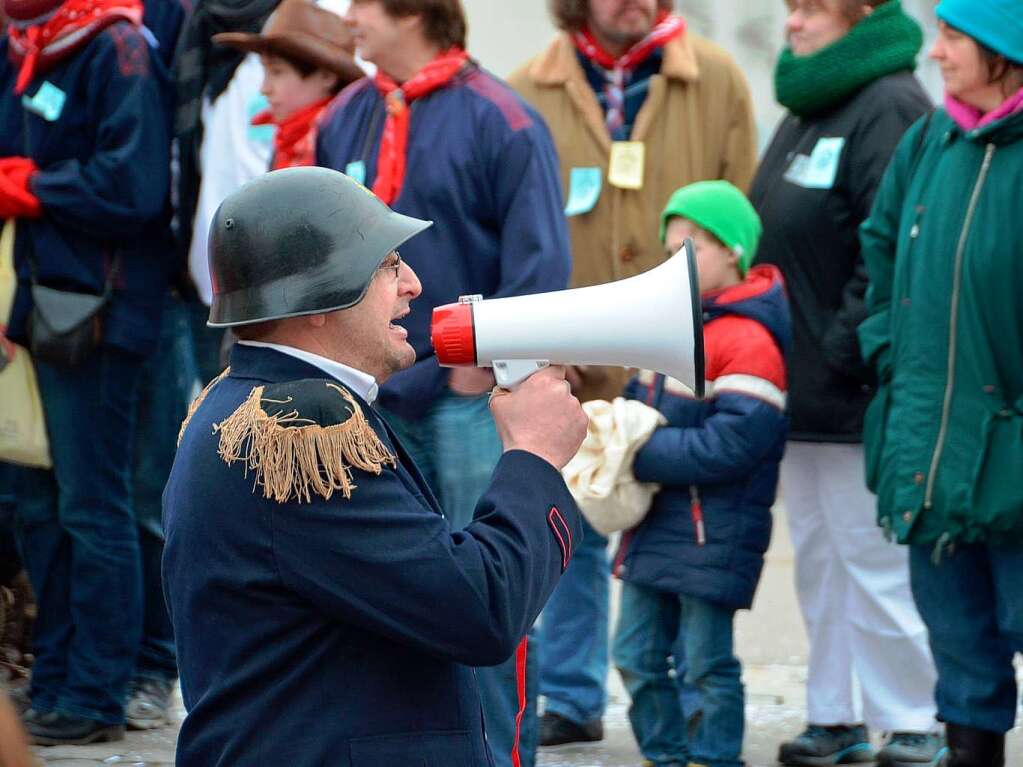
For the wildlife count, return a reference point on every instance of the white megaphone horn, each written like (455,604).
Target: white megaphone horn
(653,321)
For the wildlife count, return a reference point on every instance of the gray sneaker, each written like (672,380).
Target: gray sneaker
(911,749)
(820,746)
(148,704)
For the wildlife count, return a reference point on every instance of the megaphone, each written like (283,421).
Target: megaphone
(652,321)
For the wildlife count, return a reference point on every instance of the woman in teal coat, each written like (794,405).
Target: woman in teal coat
(944,435)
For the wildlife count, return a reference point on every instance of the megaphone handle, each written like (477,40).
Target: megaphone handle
(510,373)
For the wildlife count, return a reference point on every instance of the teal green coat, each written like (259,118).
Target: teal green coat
(944,249)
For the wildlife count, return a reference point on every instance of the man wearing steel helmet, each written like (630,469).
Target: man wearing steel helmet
(322,604)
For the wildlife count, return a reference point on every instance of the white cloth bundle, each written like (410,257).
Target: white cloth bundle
(600,475)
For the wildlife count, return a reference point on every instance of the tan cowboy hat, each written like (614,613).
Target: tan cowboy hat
(300,29)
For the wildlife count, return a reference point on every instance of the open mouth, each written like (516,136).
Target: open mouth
(394,324)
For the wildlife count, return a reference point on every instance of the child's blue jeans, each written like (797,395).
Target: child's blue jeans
(648,625)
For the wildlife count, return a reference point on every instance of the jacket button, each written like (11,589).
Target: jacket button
(626,254)
(907,517)
(918,479)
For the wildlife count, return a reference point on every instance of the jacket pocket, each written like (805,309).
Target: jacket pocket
(996,502)
(413,749)
(875,422)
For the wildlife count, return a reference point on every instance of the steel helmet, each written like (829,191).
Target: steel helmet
(298,241)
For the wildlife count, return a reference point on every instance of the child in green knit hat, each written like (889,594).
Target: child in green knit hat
(696,558)
(722,224)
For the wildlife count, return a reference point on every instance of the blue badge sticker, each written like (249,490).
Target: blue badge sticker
(259,134)
(48,102)
(357,170)
(583,190)
(818,171)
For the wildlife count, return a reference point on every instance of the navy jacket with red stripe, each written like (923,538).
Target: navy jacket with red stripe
(717,458)
(342,632)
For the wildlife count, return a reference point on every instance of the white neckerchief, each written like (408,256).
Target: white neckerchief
(361,383)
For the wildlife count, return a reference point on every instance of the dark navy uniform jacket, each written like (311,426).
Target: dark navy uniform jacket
(342,632)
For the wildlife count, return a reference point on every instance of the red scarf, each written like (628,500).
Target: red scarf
(295,139)
(666,28)
(391,162)
(38,48)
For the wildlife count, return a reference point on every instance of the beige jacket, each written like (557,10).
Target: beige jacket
(696,124)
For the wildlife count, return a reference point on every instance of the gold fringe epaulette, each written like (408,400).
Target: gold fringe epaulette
(198,401)
(294,457)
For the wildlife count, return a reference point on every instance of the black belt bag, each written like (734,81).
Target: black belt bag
(65,326)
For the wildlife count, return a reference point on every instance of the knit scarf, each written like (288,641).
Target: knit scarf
(295,139)
(36,49)
(884,42)
(390,173)
(618,71)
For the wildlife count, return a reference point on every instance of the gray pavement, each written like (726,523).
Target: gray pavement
(771,644)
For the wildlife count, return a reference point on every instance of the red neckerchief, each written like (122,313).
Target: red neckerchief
(38,48)
(295,139)
(391,162)
(666,27)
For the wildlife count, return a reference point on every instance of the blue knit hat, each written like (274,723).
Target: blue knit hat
(997,24)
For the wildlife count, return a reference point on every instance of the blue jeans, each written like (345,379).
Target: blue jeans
(456,447)
(972,604)
(78,539)
(168,383)
(573,634)
(649,624)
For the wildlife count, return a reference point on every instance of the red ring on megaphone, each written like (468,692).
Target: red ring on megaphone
(453,334)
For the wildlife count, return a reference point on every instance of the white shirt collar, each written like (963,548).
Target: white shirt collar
(361,383)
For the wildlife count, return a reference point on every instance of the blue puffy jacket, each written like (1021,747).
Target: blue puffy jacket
(717,458)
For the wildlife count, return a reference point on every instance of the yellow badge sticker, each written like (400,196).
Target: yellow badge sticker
(625,168)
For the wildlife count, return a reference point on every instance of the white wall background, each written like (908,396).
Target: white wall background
(504,34)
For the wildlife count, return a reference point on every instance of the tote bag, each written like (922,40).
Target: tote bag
(22,424)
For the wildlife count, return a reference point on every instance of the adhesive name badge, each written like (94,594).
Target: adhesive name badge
(818,171)
(357,170)
(583,190)
(625,168)
(48,102)
(259,134)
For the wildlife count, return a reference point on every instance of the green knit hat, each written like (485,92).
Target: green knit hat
(721,209)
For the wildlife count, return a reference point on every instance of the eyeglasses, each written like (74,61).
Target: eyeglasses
(392,261)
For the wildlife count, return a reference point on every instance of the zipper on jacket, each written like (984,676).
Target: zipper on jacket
(696,509)
(957,280)
(905,289)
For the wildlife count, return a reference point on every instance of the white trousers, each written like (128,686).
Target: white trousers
(869,657)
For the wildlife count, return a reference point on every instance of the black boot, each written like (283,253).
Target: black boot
(970,747)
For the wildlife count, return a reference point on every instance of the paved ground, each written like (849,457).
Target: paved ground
(771,643)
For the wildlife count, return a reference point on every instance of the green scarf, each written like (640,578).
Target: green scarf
(884,42)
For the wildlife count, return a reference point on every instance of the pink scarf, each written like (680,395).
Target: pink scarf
(969,118)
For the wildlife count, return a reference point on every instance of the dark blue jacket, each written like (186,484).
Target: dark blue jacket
(717,457)
(103,181)
(482,164)
(341,632)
